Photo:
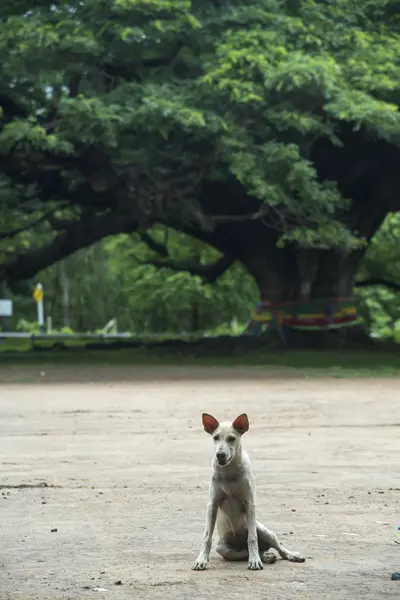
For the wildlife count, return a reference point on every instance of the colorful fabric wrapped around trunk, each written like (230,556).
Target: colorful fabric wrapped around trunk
(315,315)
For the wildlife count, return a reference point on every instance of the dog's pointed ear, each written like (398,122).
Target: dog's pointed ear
(241,424)
(210,423)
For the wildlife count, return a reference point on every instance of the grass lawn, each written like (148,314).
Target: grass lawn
(338,363)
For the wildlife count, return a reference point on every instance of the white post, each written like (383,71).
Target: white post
(40,308)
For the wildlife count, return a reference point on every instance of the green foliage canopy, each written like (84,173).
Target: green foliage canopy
(245,123)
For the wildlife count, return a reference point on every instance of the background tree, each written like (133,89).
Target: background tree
(247,125)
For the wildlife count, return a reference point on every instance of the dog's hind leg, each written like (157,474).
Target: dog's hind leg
(267,539)
(232,553)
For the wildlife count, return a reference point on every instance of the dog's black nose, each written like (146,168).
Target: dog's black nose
(221,457)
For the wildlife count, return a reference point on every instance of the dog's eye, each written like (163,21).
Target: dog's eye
(230,438)
(216,438)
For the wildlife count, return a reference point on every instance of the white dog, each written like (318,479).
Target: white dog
(231,503)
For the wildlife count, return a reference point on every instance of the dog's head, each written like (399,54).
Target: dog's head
(226,436)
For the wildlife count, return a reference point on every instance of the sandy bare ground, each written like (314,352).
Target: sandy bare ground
(126,465)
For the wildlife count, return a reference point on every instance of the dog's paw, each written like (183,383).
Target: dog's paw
(255,564)
(199,565)
(295,557)
(269,558)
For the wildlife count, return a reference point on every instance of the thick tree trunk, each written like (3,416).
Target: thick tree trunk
(301,278)
(304,275)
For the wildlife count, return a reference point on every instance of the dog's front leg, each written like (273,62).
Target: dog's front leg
(255,562)
(211,515)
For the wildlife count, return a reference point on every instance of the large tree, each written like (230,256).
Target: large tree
(269,129)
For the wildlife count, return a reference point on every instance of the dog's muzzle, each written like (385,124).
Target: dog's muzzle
(222,459)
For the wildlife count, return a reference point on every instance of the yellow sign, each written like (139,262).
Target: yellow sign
(38,294)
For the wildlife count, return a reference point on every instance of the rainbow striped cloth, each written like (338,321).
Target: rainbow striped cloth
(324,313)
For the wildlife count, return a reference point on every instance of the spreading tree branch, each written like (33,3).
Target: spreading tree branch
(239,218)
(157,247)
(209,273)
(76,235)
(372,282)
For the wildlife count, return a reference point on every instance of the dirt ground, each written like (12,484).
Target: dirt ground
(104,476)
